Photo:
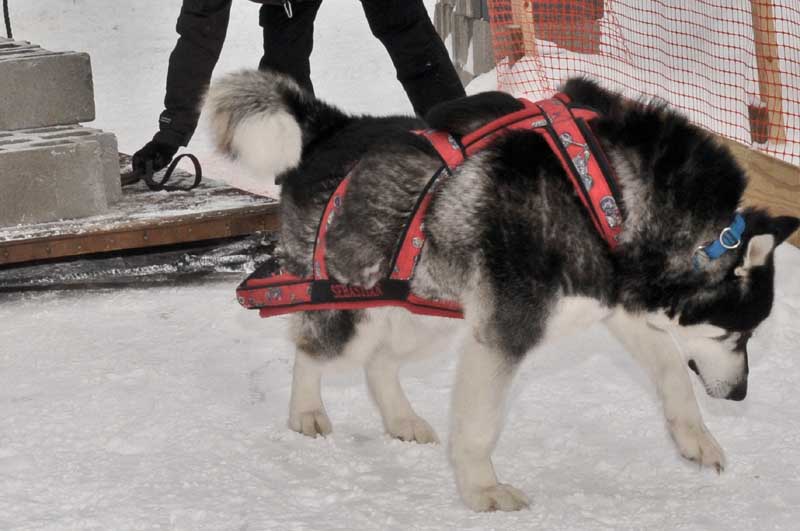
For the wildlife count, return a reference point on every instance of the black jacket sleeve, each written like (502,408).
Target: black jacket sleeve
(201,27)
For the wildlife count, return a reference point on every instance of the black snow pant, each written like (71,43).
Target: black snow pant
(202,26)
(403,26)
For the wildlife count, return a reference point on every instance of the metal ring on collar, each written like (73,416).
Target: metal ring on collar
(732,235)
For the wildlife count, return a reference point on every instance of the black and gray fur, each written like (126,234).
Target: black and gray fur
(510,214)
(507,236)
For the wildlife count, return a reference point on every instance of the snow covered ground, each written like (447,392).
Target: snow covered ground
(165,408)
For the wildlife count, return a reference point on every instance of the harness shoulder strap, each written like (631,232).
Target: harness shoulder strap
(566,131)
(332,209)
(578,151)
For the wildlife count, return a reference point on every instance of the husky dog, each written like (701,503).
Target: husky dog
(508,238)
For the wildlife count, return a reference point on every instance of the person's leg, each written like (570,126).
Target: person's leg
(419,56)
(288,41)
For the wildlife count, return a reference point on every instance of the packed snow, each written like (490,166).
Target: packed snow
(166,407)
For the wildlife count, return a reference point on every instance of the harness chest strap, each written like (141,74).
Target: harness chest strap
(568,136)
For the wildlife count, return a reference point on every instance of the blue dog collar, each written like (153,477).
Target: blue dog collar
(729,238)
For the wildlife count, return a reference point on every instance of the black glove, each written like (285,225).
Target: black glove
(157,154)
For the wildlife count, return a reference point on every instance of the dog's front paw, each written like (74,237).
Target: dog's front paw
(412,429)
(696,443)
(500,497)
(311,423)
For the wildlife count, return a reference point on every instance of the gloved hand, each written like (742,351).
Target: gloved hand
(158,154)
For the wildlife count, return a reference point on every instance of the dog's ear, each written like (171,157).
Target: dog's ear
(757,252)
(783,227)
(584,91)
(760,246)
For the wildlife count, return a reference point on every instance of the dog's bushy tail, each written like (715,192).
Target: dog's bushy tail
(265,119)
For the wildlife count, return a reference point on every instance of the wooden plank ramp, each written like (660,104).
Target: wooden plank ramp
(772,183)
(144,219)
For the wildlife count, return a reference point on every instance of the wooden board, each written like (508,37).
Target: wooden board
(772,183)
(522,17)
(770,87)
(145,219)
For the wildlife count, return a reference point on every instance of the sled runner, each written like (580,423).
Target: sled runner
(145,219)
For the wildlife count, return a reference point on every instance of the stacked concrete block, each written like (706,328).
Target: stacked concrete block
(470,8)
(50,167)
(482,48)
(464,27)
(443,20)
(42,88)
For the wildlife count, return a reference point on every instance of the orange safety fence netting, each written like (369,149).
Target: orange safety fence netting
(731,66)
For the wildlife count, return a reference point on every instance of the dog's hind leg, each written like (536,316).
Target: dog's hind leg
(482,382)
(399,419)
(306,411)
(662,359)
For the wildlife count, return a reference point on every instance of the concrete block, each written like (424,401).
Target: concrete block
(78,134)
(109,153)
(443,19)
(438,20)
(462,35)
(482,48)
(40,88)
(469,8)
(56,173)
(485,10)
(475,8)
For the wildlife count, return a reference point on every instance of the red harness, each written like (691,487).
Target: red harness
(569,137)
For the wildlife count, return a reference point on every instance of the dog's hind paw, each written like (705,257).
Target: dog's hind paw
(500,497)
(412,429)
(311,423)
(696,443)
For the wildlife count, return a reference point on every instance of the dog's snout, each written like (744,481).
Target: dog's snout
(739,392)
(693,366)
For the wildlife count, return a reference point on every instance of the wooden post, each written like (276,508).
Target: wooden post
(522,16)
(769,73)
(571,25)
